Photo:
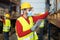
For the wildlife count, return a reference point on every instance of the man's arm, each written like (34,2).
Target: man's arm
(35,18)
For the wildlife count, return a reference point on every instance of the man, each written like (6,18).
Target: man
(41,27)
(6,26)
(26,25)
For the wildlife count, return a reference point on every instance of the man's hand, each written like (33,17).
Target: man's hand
(36,25)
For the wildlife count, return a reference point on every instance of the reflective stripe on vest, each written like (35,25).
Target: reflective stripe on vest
(6,26)
(42,24)
(6,29)
(27,26)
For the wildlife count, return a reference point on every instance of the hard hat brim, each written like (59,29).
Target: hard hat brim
(26,8)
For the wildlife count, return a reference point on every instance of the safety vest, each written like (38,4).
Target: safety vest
(26,26)
(42,24)
(6,25)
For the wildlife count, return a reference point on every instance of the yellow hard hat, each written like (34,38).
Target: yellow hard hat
(7,15)
(25,5)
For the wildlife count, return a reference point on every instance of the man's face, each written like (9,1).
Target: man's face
(6,10)
(28,10)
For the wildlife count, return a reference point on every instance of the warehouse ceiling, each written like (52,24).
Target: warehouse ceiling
(6,2)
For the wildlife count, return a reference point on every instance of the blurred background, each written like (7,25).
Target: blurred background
(51,24)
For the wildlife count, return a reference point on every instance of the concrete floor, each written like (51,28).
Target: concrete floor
(12,37)
(1,36)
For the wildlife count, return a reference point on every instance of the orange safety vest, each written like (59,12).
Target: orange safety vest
(26,26)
